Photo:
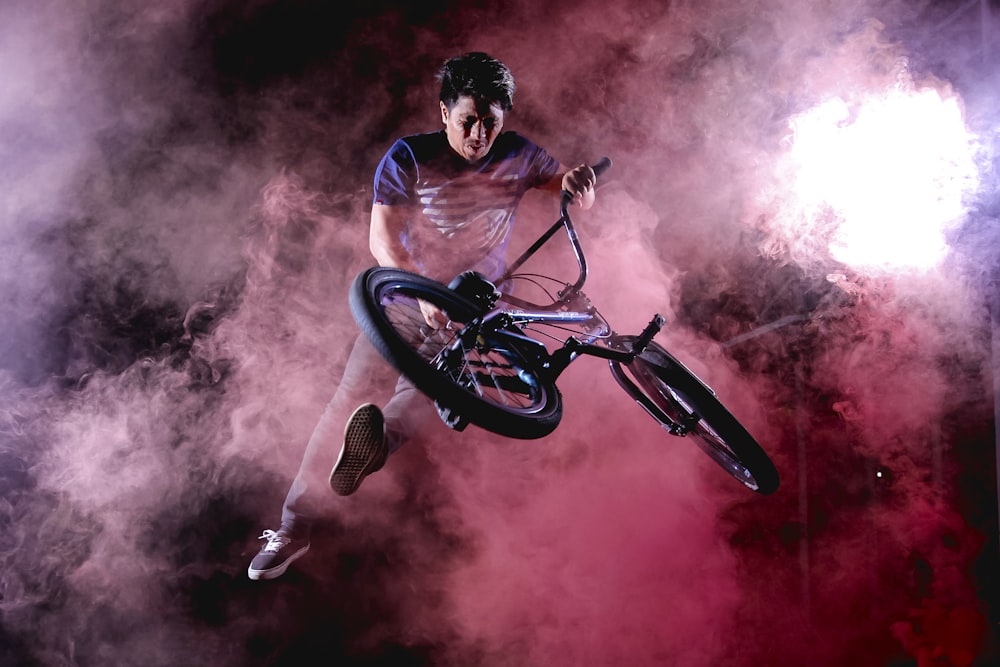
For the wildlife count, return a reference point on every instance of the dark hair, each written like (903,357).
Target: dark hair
(477,75)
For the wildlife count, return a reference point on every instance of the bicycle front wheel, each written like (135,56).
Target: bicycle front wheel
(493,381)
(684,405)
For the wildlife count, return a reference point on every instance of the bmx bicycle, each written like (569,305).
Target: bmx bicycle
(490,367)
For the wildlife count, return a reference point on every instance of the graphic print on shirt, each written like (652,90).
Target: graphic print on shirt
(470,208)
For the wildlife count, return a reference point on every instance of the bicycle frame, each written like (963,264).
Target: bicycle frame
(572,347)
(558,312)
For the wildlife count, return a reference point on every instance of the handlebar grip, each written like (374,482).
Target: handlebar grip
(601,166)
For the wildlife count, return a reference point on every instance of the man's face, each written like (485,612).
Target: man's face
(472,125)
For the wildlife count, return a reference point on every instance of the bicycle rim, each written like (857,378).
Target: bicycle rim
(492,381)
(677,398)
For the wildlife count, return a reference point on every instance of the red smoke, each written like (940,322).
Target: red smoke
(206,209)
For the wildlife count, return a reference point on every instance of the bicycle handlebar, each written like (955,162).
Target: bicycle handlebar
(599,168)
(563,222)
(602,166)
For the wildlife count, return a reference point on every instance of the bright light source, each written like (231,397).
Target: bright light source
(881,183)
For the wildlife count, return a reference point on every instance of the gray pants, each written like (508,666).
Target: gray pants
(365,376)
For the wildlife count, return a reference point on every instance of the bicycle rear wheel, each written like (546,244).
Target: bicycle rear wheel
(493,380)
(684,405)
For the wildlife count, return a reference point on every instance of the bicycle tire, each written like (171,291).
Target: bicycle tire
(496,385)
(675,395)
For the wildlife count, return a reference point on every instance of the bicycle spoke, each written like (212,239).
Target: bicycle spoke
(497,381)
(685,406)
(488,375)
(484,374)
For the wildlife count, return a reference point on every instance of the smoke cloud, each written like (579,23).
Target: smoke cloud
(185,192)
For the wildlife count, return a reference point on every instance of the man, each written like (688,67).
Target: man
(444,203)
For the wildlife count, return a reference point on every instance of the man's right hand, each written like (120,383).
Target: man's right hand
(434,316)
(580,182)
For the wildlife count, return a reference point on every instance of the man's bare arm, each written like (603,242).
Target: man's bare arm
(385,242)
(385,237)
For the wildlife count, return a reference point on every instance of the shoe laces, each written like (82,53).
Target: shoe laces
(275,541)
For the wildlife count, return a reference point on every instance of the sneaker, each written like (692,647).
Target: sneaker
(275,556)
(364,450)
